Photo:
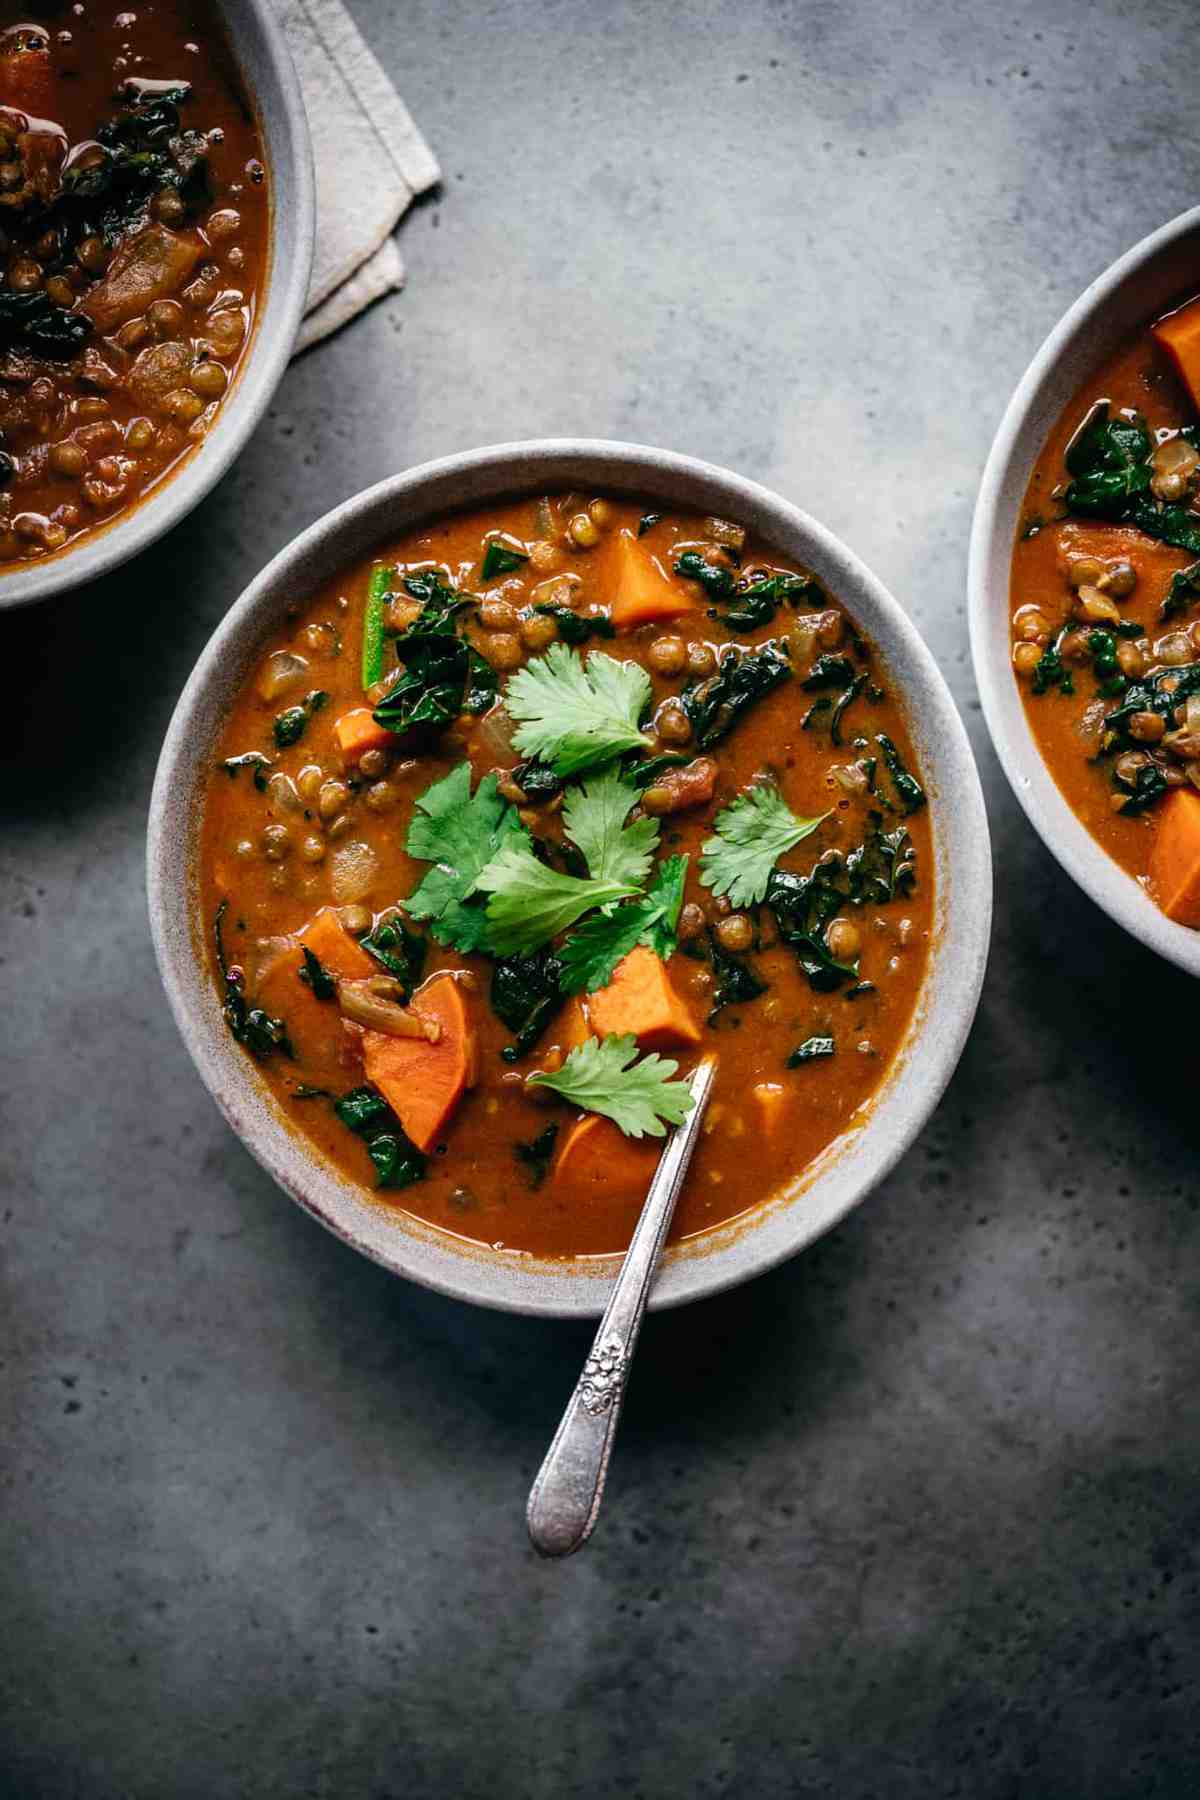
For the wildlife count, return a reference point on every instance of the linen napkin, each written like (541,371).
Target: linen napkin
(370,159)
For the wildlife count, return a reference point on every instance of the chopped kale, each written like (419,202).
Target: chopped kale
(261,1034)
(755,603)
(443,674)
(576,628)
(250,759)
(1159,693)
(829,672)
(398,1163)
(315,975)
(823,705)
(645,774)
(500,559)
(909,791)
(1052,671)
(715,706)
(1184,589)
(717,579)
(400,951)
(1033,524)
(883,867)
(845,699)
(536,1155)
(803,906)
(736,981)
(647,522)
(525,995)
(811,1050)
(1149,785)
(32,322)
(290,725)
(1109,460)
(537,781)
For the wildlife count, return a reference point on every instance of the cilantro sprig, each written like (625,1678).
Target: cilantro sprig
(460,833)
(594,815)
(590,955)
(576,715)
(752,833)
(530,903)
(607,1076)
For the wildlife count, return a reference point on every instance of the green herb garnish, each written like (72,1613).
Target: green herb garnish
(608,1077)
(459,833)
(752,833)
(576,716)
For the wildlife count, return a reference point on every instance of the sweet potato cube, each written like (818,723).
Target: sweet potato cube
(1179,335)
(1175,857)
(598,1164)
(335,949)
(423,1083)
(357,732)
(640,999)
(644,591)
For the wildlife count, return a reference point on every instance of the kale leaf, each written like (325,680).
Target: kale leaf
(525,996)
(811,1050)
(536,1155)
(715,706)
(909,791)
(398,1163)
(261,1034)
(736,981)
(400,951)
(315,975)
(576,628)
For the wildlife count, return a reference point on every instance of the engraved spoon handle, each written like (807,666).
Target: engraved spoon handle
(565,1499)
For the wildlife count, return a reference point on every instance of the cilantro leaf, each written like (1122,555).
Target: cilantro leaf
(530,903)
(591,954)
(607,1077)
(752,834)
(459,833)
(576,715)
(594,815)
(665,893)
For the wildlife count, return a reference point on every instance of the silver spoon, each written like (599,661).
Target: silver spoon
(565,1499)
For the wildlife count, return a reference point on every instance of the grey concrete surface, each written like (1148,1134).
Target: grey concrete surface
(915,1516)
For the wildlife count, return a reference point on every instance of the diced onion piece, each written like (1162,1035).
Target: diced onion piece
(724,531)
(495,735)
(353,870)
(281,671)
(357,1002)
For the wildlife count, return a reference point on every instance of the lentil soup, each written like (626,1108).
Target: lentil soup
(514,821)
(133,245)
(1105,605)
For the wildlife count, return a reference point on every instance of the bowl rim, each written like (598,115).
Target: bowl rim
(1084,859)
(264,62)
(856,1162)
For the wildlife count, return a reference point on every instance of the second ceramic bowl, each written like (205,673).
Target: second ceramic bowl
(1139,285)
(265,64)
(817,1196)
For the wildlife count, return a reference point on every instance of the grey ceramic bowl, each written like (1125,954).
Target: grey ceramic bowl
(819,1196)
(1138,286)
(265,63)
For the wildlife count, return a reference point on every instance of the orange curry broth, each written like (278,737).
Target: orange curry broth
(168,272)
(475,1186)
(1141,377)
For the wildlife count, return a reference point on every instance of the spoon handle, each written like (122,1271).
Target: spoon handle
(565,1499)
